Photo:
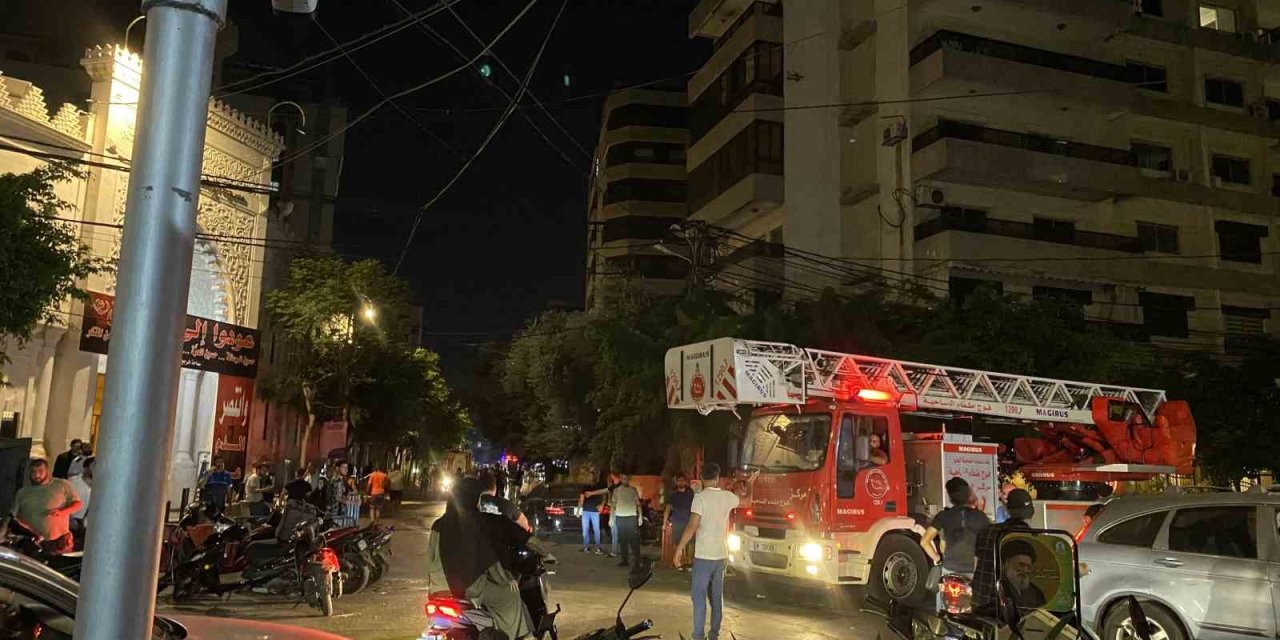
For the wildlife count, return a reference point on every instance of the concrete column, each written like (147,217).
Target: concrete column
(40,410)
(71,394)
(184,468)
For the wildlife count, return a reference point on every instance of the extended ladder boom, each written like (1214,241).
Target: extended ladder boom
(720,374)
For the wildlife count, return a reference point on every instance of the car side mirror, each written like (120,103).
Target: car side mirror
(1139,619)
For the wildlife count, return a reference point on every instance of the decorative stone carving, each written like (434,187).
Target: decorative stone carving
(244,129)
(67,120)
(218,164)
(219,218)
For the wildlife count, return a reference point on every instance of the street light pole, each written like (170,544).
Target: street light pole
(117,594)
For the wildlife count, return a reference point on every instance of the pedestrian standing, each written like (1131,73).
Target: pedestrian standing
(395,488)
(626,520)
(62,464)
(253,493)
(959,527)
(377,485)
(589,503)
(1002,509)
(217,486)
(82,483)
(708,528)
(1021,510)
(338,494)
(298,488)
(45,506)
(675,515)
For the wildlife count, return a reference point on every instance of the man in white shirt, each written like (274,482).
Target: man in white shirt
(709,521)
(253,492)
(83,484)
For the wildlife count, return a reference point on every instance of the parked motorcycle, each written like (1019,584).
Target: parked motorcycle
(451,618)
(299,564)
(26,542)
(361,554)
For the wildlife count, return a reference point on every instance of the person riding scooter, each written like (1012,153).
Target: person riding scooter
(464,557)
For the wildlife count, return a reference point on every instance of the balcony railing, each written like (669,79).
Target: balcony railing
(1027,141)
(963,220)
(756,9)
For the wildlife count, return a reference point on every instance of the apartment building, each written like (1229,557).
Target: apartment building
(1117,154)
(638,191)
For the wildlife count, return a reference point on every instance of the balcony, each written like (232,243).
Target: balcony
(973,154)
(954,219)
(950,63)
(1264,47)
(713,18)
(1039,19)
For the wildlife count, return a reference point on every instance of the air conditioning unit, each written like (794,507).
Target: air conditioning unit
(894,133)
(929,196)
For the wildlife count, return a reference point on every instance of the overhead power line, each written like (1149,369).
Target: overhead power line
(533,67)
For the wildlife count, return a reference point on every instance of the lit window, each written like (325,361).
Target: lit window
(1217,18)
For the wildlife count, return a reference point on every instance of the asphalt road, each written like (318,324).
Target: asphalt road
(589,588)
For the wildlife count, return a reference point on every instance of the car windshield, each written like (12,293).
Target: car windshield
(779,443)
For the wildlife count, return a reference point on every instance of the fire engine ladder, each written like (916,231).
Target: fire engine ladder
(828,373)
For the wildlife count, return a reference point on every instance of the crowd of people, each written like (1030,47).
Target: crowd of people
(338,488)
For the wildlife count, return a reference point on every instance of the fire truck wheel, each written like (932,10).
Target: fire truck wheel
(899,571)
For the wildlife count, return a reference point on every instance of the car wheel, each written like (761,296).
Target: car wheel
(899,571)
(1163,625)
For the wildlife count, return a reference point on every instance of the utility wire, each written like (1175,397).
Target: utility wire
(427,29)
(533,67)
(325,57)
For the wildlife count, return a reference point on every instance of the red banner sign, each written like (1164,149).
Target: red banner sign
(231,420)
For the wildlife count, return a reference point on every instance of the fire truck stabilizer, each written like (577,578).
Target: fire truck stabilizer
(845,489)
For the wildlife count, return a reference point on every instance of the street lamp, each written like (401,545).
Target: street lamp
(130,28)
(301,113)
(369,312)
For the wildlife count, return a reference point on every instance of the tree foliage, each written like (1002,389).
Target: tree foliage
(342,364)
(591,383)
(42,262)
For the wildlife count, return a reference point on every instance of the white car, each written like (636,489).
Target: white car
(37,602)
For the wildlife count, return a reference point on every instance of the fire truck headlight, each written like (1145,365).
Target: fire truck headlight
(445,483)
(811,552)
(735,542)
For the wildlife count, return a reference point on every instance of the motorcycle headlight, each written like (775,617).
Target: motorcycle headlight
(735,542)
(811,552)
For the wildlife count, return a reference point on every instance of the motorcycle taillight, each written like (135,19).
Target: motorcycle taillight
(326,558)
(957,594)
(443,608)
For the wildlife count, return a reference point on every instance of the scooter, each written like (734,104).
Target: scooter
(456,619)
(1037,596)
(451,618)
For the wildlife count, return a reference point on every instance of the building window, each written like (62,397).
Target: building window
(1145,76)
(1166,315)
(1224,92)
(1239,242)
(1217,18)
(757,70)
(1151,7)
(1152,158)
(1231,170)
(1069,299)
(647,115)
(1243,327)
(1050,230)
(1273,109)
(1275,185)
(961,288)
(1158,238)
(756,149)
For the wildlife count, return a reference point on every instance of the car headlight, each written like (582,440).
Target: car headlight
(735,542)
(811,552)
(446,482)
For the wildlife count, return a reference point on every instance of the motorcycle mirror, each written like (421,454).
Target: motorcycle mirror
(1139,619)
(640,574)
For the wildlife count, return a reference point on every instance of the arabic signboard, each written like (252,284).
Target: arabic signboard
(996,408)
(231,420)
(207,345)
(976,463)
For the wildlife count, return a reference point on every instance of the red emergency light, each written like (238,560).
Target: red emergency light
(874,395)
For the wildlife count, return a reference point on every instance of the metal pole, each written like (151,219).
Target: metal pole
(117,594)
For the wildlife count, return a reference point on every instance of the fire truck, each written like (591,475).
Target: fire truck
(852,451)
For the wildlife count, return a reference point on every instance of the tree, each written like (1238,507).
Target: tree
(404,402)
(42,262)
(331,337)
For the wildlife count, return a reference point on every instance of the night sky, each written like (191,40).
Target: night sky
(509,238)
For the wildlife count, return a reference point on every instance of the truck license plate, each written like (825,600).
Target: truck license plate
(763,546)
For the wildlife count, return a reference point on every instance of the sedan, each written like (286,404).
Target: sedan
(38,602)
(555,508)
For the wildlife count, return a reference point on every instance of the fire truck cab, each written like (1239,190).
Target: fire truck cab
(852,452)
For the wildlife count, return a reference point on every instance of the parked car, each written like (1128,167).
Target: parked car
(1205,565)
(38,602)
(554,508)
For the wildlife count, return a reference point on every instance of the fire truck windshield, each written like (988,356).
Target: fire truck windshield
(780,443)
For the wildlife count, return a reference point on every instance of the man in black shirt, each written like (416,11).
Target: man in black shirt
(490,502)
(959,526)
(62,463)
(298,488)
